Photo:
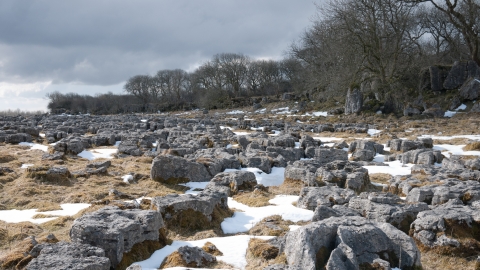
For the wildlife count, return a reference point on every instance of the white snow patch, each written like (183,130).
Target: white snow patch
(261,110)
(98,153)
(234,249)
(327,139)
(34,146)
(394,168)
(448,150)
(193,186)
(373,132)
(42,135)
(127,178)
(15,216)
(24,166)
(243,221)
(316,114)
(144,120)
(236,112)
(294,227)
(449,114)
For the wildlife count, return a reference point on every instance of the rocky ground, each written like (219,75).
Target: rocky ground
(265,189)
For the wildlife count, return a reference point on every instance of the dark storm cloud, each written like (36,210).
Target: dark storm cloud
(105,42)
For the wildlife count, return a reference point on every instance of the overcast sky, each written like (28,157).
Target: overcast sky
(93,47)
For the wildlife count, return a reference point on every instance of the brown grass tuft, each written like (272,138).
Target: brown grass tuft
(261,254)
(189,222)
(474,146)
(271,226)
(382,178)
(257,198)
(288,187)
(211,249)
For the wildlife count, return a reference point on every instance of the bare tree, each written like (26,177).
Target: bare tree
(465,16)
(140,86)
(234,68)
(386,32)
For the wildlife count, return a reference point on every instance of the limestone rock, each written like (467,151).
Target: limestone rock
(67,256)
(117,231)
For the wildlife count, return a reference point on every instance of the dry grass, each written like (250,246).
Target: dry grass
(474,146)
(271,226)
(211,249)
(188,223)
(257,198)
(382,178)
(433,261)
(453,141)
(288,187)
(261,254)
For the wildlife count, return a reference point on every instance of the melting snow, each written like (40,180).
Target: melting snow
(15,216)
(98,153)
(34,146)
(234,249)
(243,221)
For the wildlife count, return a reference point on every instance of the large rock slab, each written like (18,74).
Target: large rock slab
(193,212)
(68,256)
(353,101)
(235,181)
(117,231)
(356,240)
(173,169)
(312,197)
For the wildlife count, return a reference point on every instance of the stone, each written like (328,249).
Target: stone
(312,197)
(363,155)
(470,90)
(236,181)
(66,256)
(117,231)
(173,169)
(187,256)
(326,155)
(356,240)
(323,212)
(459,73)
(441,225)
(353,101)
(195,212)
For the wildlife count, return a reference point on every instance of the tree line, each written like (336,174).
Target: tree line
(380,46)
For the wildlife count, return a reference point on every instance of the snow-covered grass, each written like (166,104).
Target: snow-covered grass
(234,249)
(15,216)
(243,221)
(98,153)
(274,178)
(34,146)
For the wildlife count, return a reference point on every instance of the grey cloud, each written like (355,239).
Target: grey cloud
(105,42)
